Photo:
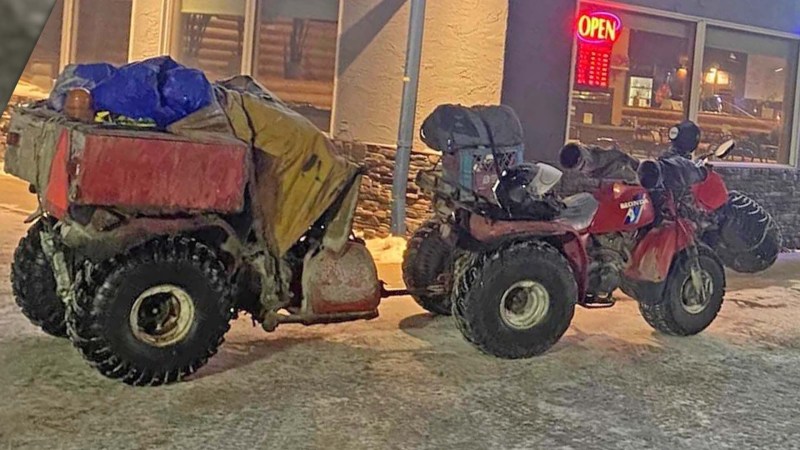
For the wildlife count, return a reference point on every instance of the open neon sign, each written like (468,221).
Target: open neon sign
(599,28)
(597,32)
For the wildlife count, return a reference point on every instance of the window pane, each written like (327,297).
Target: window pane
(210,35)
(644,88)
(43,66)
(296,54)
(103,29)
(747,94)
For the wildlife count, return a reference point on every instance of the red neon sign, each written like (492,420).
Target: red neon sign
(599,28)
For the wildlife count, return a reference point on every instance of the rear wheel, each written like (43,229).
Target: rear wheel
(517,301)
(427,263)
(686,309)
(34,284)
(154,314)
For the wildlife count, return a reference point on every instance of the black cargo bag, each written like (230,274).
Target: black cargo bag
(455,127)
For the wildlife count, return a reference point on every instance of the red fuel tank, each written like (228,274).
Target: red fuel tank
(623,207)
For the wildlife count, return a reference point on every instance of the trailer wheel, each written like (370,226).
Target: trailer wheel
(34,284)
(681,311)
(153,315)
(517,301)
(428,257)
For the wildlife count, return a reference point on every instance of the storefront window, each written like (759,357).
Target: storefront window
(747,94)
(210,35)
(296,54)
(43,66)
(632,79)
(103,37)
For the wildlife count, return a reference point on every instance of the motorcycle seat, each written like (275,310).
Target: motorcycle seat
(579,212)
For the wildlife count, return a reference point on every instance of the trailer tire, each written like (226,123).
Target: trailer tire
(34,284)
(427,257)
(154,314)
(483,290)
(670,314)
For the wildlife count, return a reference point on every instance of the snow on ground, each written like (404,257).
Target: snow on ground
(387,250)
(409,380)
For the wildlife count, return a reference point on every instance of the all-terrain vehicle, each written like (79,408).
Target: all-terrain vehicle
(147,244)
(524,258)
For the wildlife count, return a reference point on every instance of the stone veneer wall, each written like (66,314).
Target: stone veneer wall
(374,217)
(777,189)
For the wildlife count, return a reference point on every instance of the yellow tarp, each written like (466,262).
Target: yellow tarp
(299,172)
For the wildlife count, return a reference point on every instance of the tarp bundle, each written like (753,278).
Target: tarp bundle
(157,89)
(453,127)
(299,173)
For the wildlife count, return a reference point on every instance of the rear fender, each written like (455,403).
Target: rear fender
(654,253)
(97,245)
(492,234)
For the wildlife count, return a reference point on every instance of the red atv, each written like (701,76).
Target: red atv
(526,259)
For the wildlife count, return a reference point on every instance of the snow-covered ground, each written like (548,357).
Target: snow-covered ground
(408,380)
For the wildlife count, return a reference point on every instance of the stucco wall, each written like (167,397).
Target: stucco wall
(147,29)
(462,62)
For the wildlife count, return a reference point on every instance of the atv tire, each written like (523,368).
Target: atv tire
(34,284)
(154,314)
(750,240)
(672,314)
(495,318)
(428,256)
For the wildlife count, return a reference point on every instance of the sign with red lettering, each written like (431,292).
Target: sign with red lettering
(597,32)
(599,28)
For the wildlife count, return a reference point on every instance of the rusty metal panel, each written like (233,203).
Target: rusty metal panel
(341,283)
(148,172)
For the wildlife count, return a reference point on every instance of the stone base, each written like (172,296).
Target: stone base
(374,217)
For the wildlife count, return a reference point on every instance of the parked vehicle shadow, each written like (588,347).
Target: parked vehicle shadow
(238,353)
(420,321)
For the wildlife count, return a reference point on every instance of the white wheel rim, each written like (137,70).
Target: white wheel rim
(162,315)
(691,301)
(524,305)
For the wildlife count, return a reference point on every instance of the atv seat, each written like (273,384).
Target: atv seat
(579,212)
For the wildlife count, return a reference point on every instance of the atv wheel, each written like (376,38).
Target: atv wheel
(517,301)
(154,314)
(750,240)
(681,311)
(427,259)
(34,284)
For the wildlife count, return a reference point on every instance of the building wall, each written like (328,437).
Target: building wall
(462,62)
(146,29)
(538,63)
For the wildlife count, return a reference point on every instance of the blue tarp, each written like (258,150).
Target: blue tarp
(157,89)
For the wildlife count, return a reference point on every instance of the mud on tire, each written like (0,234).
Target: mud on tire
(34,284)
(668,315)
(483,288)
(428,256)
(122,345)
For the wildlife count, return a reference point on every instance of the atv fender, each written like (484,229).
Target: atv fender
(653,255)
(494,233)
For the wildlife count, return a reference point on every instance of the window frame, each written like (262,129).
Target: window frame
(69,33)
(699,44)
(168,36)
